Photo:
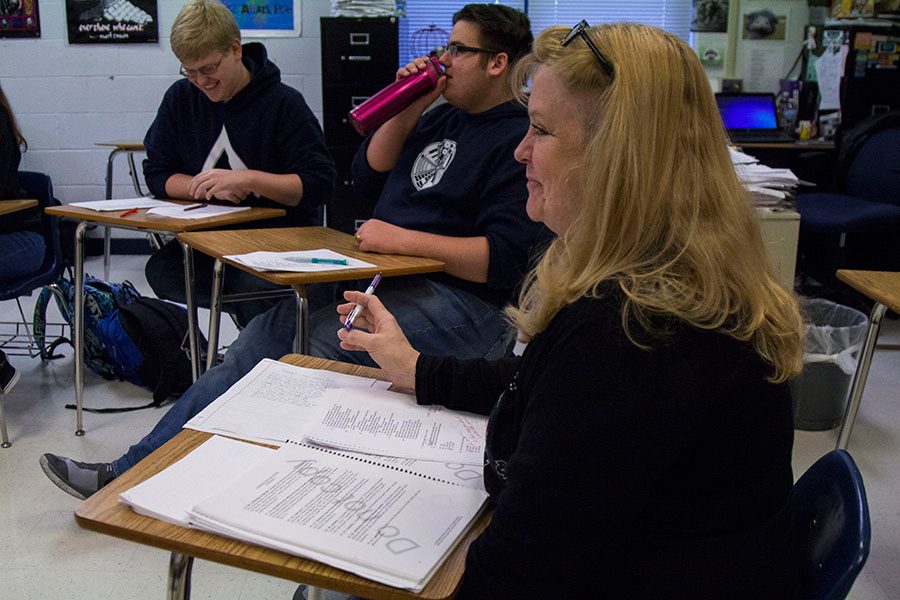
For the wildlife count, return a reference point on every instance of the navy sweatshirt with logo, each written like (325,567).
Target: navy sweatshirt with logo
(268,125)
(457,177)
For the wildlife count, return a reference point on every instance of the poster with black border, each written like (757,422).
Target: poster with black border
(112,21)
(19,19)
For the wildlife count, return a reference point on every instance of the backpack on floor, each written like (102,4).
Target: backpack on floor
(126,337)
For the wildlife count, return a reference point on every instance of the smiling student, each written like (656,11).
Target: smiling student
(230,130)
(448,187)
(641,445)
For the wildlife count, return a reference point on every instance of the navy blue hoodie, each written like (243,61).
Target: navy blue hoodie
(268,125)
(457,176)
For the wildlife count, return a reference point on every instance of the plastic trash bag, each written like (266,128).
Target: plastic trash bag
(834,334)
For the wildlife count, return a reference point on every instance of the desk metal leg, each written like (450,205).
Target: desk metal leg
(179,586)
(314,593)
(862,373)
(301,341)
(191,309)
(133,172)
(215,314)
(78,319)
(107,250)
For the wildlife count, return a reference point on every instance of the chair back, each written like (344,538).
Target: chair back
(874,173)
(831,526)
(39,186)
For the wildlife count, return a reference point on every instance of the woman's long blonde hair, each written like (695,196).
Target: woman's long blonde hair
(660,211)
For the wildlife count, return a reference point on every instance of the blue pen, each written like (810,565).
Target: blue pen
(318,261)
(348,325)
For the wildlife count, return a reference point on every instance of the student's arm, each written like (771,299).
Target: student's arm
(235,186)
(387,142)
(463,257)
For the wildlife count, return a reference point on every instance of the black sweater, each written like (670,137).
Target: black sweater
(10,155)
(620,472)
(269,127)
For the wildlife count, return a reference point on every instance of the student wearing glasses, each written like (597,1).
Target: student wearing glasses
(641,445)
(231,131)
(447,187)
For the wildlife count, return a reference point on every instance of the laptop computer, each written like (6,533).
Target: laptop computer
(750,117)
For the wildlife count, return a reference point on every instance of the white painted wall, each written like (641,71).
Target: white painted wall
(67,96)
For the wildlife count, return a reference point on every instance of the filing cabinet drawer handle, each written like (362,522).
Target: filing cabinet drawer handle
(359,39)
(357,100)
(356,58)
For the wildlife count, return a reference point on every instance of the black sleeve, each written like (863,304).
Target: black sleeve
(367,182)
(161,144)
(469,385)
(301,140)
(503,221)
(595,432)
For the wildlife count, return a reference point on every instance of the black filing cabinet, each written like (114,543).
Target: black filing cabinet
(360,55)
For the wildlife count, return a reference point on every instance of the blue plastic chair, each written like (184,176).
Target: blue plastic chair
(831,526)
(866,209)
(39,187)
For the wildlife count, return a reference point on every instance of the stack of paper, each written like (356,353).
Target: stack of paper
(768,187)
(392,519)
(365,8)
(121,204)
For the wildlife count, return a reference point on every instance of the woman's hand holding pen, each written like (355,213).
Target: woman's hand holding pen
(382,339)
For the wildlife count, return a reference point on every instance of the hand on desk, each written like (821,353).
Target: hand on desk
(377,236)
(382,339)
(222,184)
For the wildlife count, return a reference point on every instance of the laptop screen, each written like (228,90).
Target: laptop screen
(747,111)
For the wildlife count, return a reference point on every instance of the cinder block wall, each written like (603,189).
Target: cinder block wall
(67,97)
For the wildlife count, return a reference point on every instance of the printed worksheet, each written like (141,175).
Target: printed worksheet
(274,402)
(390,424)
(299,261)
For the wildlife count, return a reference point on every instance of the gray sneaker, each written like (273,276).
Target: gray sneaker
(76,478)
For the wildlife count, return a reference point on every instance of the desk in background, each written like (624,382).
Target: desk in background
(219,244)
(11,206)
(127,147)
(884,288)
(141,221)
(811,161)
(102,512)
(780,232)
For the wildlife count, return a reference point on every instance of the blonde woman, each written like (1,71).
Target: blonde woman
(641,446)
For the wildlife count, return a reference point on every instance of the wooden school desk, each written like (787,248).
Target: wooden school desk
(141,221)
(128,147)
(11,206)
(102,512)
(884,288)
(219,244)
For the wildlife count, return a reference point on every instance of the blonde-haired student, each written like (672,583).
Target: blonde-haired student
(641,445)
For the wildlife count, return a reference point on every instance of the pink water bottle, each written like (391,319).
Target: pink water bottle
(394,98)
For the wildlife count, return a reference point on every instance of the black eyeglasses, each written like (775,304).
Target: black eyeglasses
(206,70)
(455,49)
(580,30)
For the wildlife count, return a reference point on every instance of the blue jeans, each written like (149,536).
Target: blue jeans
(437,319)
(165,274)
(23,254)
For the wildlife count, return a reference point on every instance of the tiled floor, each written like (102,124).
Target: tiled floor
(44,554)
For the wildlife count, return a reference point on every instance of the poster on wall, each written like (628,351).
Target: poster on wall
(266,18)
(764,25)
(19,19)
(112,21)
(710,15)
(711,56)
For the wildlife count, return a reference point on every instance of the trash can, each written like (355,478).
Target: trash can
(834,337)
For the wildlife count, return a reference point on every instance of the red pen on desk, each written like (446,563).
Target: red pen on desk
(130,211)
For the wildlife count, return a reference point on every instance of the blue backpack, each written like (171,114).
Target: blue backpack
(108,351)
(126,336)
